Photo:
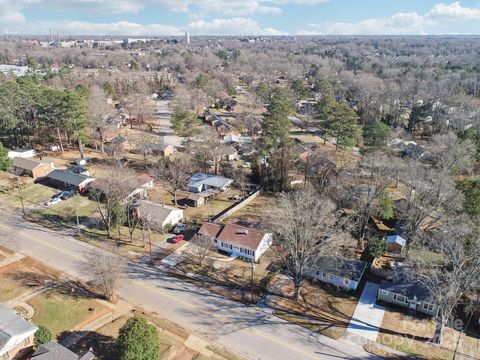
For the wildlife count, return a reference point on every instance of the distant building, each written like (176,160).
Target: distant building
(23,153)
(187,37)
(16,334)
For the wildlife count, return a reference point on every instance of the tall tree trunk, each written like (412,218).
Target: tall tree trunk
(80,148)
(60,140)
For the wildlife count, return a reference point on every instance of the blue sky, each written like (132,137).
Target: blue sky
(235,17)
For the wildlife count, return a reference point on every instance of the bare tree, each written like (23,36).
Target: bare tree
(99,112)
(173,174)
(451,155)
(455,272)
(105,270)
(200,247)
(302,228)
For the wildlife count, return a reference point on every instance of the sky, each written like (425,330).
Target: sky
(240,17)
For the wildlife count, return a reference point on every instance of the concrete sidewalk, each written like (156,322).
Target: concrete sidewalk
(368,316)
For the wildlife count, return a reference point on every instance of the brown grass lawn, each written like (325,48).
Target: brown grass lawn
(61,311)
(33,195)
(257,212)
(324,310)
(410,333)
(22,276)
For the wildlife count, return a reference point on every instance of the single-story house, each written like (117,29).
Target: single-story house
(140,185)
(55,351)
(409,294)
(16,333)
(159,214)
(341,272)
(395,244)
(237,240)
(32,168)
(67,179)
(201,182)
(225,153)
(165,150)
(136,186)
(23,153)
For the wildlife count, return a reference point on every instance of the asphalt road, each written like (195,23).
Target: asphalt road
(250,331)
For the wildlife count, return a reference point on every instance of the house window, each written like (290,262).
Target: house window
(428,307)
(384,292)
(400,298)
(215,241)
(331,276)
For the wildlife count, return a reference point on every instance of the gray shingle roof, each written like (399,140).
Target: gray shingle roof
(12,325)
(67,177)
(55,351)
(345,268)
(210,180)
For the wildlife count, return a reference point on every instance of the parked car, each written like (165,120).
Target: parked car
(179,228)
(246,165)
(64,195)
(176,239)
(53,201)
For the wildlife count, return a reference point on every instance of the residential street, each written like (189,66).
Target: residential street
(250,331)
(163,114)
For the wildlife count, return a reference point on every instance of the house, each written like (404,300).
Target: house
(201,182)
(23,153)
(136,186)
(16,333)
(199,199)
(159,214)
(341,272)
(407,293)
(55,351)
(162,149)
(395,244)
(33,168)
(238,240)
(66,179)
(140,185)
(225,153)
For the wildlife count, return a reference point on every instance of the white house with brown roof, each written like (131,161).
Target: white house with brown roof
(238,240)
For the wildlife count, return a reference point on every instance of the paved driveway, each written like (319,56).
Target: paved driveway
(368,316)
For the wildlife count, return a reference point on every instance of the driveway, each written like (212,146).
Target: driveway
(368,316)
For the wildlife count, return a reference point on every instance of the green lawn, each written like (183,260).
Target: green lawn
(59,312)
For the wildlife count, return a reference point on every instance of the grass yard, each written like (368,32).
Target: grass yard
(61,312)
(64,212)
(324,310)
(257,212)
(19,277)
(411,333)
(33,195)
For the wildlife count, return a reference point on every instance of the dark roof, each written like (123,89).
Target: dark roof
(411,288)
(55,351)
(67,177)
(346,268)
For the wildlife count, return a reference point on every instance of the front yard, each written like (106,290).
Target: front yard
(32,194)
(320,308)
(62,310)
(411,334)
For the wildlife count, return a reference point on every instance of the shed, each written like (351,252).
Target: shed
(23,153)
(395,244)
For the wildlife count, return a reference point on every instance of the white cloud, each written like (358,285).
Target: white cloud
(233,26)
(454,11)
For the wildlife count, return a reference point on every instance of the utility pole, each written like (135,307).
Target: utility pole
(460,337)
(16,184)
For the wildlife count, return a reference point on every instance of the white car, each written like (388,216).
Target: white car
(54,201)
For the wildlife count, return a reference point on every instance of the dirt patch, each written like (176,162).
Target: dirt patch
(259,211)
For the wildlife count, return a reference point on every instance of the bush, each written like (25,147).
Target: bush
(377,247)
(138,340)
(42,336)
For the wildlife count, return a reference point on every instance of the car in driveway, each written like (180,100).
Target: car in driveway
(176,239)
(53,201)
(180,228)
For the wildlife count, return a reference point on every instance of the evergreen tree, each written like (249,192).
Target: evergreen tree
(138,340)
(5,161)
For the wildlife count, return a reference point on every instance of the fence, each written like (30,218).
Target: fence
(235,207)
